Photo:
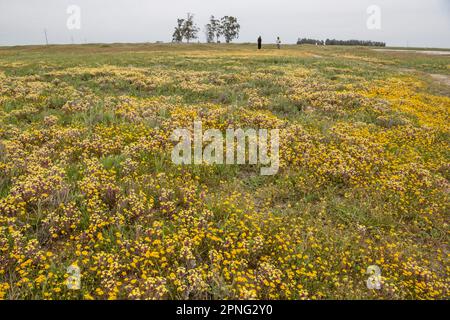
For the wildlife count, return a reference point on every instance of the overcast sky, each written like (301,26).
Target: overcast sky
(424,23)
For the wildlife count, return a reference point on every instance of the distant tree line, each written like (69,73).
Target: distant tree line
(334,42)
(368,43)
(227,26)
(310,41)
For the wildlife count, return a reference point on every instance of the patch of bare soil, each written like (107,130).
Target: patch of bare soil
(429,52)
(441,78)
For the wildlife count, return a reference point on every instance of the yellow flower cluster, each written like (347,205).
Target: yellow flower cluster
(86,179)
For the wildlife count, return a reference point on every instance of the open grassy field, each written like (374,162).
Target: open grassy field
(86,176)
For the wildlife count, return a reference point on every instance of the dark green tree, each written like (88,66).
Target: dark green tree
(230,28)
(210,30)
(178,33)
(217,27)
(190,29)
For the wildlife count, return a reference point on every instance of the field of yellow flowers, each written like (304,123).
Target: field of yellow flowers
(86,177)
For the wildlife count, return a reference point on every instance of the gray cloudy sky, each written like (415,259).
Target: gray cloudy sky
(423,23)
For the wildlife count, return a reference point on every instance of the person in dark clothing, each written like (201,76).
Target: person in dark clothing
(259,43)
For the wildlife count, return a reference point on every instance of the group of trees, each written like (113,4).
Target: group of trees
(227,26)
(334,42)
(185,29)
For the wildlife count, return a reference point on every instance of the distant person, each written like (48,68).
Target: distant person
(259,43)
(278,43)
